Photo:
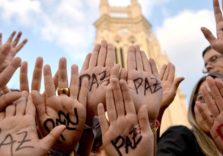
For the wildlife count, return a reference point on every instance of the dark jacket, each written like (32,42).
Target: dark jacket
(178,141)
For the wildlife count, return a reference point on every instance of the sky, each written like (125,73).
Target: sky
(64,28)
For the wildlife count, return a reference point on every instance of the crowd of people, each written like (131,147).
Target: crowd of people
(107,110)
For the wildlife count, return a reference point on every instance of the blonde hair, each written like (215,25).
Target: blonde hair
(205,142)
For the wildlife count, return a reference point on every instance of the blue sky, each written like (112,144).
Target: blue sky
(57,28)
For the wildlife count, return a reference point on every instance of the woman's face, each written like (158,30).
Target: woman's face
(200,99)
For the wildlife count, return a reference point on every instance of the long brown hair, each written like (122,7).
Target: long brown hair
(205,142)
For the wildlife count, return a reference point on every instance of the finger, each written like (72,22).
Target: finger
(20,46)
(62,75)
(145,62)
(39,103)
(209,101)
(24,84)
(124,74)
(202,110)
(21,104)
(129,105)
(8,99)
(171,73)
(215,93)
(110,105)
(110,58)
(102,119)
(115,71)
(85,65)
(6,75)
(163,71)
(153,68)
(37,74)
(177,81)
(55,80)
(208,35)
(139,65)
(4,52)
(217,12)
(144,119)
(117,97)
(52,137)
(48,81)
(17,38)
(0,39)
(102,54)
(94,56)
(74,81)
(219,84)
(5,90)
(82,97)
(166,73)
(131,58)
(30,107)
(9,40)
(2,115)
(10,110)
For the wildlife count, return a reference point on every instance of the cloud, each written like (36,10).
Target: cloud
(180,37)
(19,10)
(68,24)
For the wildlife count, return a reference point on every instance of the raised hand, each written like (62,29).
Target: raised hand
(143,82)
(214,114)
(18,134)
(67,108)
(10,48)
(97,68)
(8,72)
(170,85)
(215,42)
(124,133)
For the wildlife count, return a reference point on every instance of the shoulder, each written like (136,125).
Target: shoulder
(178,140)
(180,134)
(178,130)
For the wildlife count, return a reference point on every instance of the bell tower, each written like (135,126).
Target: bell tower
(125,26)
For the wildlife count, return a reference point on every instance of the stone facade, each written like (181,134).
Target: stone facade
(123,26)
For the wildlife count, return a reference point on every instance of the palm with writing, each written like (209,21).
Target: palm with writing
(96,68)
(143,81)
(215,42)
(20,137)
(125,134)
(12,47)
(67,109)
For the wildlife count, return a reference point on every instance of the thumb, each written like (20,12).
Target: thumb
(49,140)
(177,81)
(143,118)
(208,34)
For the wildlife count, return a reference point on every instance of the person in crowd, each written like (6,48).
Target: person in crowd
(197,141)
(212,60)
(66,107)
(212,55)
(19,135)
